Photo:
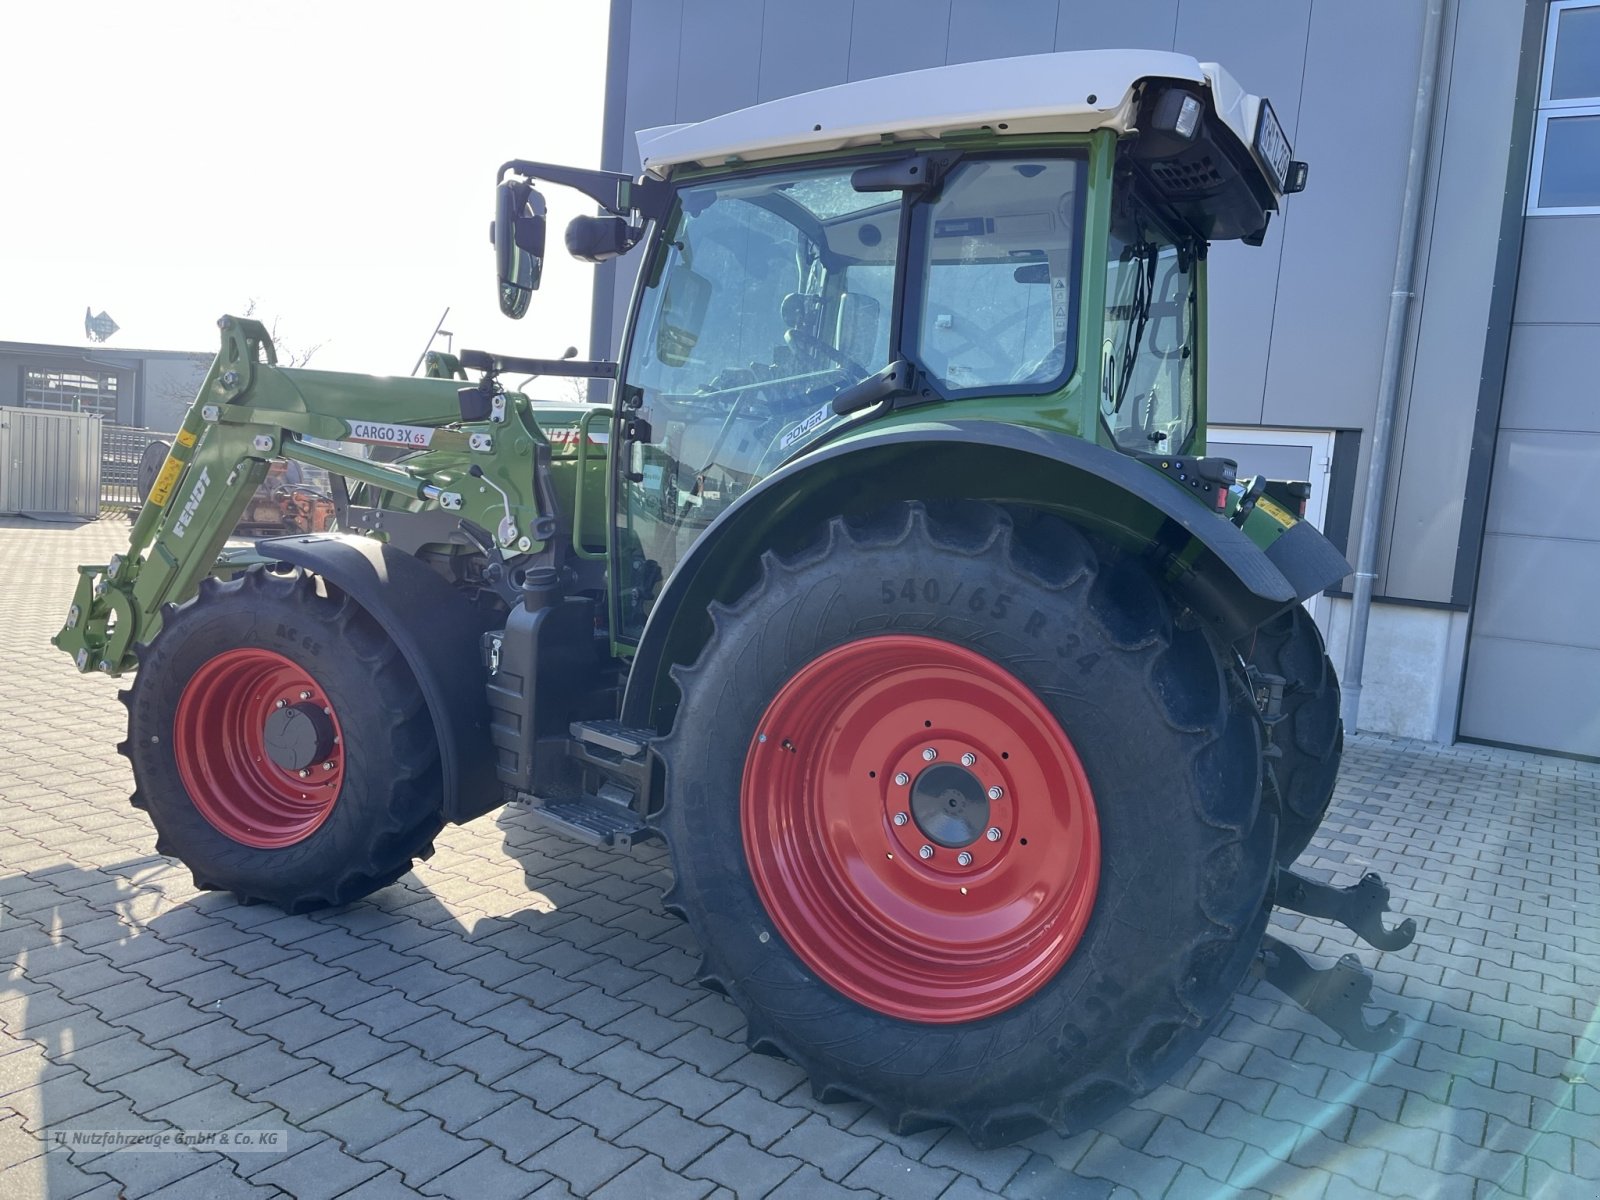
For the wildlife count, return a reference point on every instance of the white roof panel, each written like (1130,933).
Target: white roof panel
(1070,91)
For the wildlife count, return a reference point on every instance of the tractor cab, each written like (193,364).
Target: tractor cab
(999,246)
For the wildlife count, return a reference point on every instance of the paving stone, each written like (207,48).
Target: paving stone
(306,1094)
(216,1182)
(649,1177)
(520,1130)
(422,1151)
(758,1118)
(404,1074)
(743,1168)
(836,1152)
(582,1160)
(364,1121)
(547,1083)
(459,1101)
(488,1176)
(350,1051)
(320,1172)
(1147,1174)
(152,1086)
(1039,1178)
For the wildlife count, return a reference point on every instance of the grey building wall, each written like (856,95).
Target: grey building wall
(1297,324)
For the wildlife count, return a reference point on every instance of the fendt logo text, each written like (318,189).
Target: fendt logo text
(192,503)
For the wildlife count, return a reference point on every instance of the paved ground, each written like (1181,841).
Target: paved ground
(519,1017)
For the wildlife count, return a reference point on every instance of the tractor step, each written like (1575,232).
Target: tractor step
(613,736)
(1337,995)
(593,821)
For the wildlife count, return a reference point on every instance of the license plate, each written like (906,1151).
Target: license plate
(1272,147)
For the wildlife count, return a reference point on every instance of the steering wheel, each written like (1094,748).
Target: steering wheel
(797,339)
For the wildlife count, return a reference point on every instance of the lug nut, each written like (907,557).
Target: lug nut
(968,759)
(925,852)
(305,695)
(327,766)
(901,818)
(282,704)
(994,833)
(996,792)
(902,778)
(964,859)
(929,754)
(305,772)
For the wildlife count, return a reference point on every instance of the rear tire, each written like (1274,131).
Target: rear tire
(1310,737)
(1003,1042)
(280,744)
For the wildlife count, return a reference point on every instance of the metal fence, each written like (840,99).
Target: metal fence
(50,463)
(121,448)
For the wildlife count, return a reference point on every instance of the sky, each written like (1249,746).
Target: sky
(170,161)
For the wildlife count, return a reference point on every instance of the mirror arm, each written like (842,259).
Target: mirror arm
(494,364)
(617,193)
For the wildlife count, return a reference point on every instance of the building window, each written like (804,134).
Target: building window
(70,391)
(1566,143)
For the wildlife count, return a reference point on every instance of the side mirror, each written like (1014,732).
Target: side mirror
(518,237)
(597,239)
(683,311)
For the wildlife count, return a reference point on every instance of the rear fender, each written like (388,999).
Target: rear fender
(437,633)
(1217,571)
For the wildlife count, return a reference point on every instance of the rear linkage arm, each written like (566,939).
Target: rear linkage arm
(1336,995)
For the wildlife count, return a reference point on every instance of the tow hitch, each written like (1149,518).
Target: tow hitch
(1337,995)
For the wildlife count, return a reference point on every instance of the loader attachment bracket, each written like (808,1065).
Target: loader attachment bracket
(1336,995)
(1359,907)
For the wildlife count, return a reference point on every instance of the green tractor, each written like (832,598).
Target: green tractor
(893,588)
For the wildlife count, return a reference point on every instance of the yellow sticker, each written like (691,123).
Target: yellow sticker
(164,481)
(185,438)
(1276,511)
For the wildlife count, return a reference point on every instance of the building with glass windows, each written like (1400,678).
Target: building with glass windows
(151,389)
(1487,551)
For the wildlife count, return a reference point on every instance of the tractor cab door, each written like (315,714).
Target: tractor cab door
(770,295)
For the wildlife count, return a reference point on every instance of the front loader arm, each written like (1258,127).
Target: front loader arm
(250,411)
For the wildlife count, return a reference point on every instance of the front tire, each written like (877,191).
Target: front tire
(280,744)
(1076,960)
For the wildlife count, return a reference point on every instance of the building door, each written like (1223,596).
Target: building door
(1533,659)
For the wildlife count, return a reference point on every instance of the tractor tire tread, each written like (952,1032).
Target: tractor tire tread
(404,828)
(1224,733)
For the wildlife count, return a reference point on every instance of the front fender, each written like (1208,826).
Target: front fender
(1214,568)
(437,633)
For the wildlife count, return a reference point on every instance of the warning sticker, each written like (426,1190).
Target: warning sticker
(162,488)
(381,434)
(1058,304)
(185,438)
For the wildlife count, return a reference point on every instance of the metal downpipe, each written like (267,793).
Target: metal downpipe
(1394,345)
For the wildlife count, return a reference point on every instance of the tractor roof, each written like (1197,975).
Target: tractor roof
(1067,92)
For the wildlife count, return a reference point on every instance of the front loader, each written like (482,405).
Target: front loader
(893,587)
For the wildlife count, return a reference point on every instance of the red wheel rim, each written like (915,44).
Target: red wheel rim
(259,748)
(838,812)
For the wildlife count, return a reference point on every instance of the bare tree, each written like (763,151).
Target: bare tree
(288,356)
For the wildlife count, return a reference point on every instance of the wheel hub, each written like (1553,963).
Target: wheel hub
(949,805)
(298,736)
(920,829)
(258,747)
